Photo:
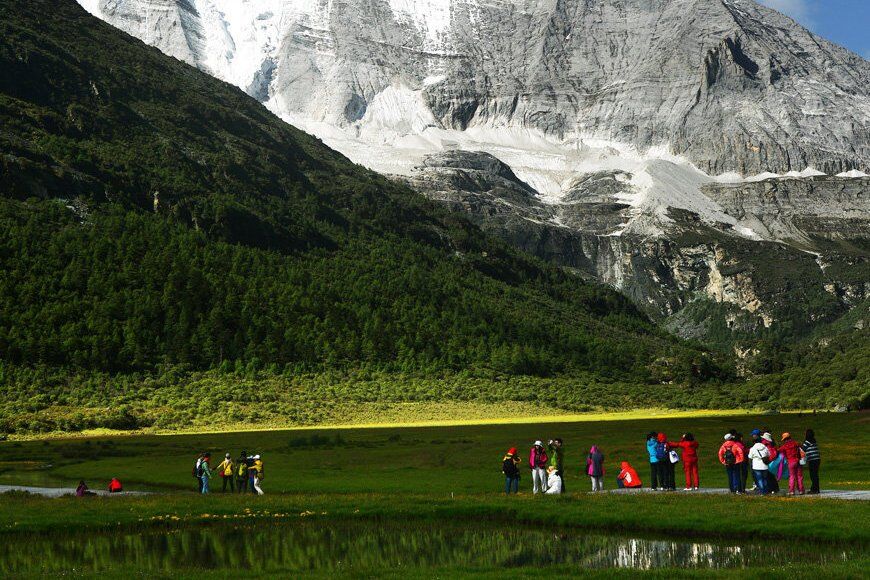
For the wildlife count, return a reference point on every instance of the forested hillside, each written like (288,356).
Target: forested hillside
(155,222)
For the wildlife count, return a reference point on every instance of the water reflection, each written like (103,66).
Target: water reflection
(361,546)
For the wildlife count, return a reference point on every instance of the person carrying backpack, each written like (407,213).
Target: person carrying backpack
(651,443)
(242,472)
(793,455)
(731,456)
(205,472)
(813,459)
(690,460)
(510,467)
(196,472)
(666,466)
(225,469)
(538,464)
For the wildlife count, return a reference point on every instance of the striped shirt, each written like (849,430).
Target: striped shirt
(812,451)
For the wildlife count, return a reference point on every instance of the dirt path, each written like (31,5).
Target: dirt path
(854,494)
(61,491)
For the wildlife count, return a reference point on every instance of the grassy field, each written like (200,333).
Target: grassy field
(438,460)
(429,476)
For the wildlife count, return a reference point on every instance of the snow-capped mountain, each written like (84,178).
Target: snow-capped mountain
(685,104)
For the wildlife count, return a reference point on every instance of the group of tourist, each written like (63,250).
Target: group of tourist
(768,462)
(240,475)
(547,465)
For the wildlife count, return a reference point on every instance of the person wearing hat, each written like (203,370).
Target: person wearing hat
(225,469)
(256,471)
(793,454)
(554,481)
(510,466)
(538,464)
(772,454)
(595,468)
(731,456)
(628,477)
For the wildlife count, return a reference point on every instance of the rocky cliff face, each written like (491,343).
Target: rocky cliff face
(618,138)
(699,276)
(729,84)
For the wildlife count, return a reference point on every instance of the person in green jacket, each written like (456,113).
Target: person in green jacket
(205,472)
(557,458)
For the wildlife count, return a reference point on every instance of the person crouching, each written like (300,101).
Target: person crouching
(554,481)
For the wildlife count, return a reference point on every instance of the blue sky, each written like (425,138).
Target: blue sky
(846,22)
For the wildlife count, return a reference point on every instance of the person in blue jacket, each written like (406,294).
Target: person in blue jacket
(655,474)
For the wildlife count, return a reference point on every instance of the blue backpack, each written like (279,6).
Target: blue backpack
(661,451)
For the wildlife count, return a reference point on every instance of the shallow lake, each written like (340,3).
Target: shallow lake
(357,547)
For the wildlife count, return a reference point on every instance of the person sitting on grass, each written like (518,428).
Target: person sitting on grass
(225,469)
(205,472)
(595,468)
(554,481)
(628,477)
(115,486)
(82,490)
(510,468)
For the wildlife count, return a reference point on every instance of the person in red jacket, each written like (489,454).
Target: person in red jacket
(791,451)
(767,440)
(731,456)
(115,486)
(690,459)
(628,477)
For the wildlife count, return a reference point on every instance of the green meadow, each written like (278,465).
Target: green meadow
(426,501)
(438,460)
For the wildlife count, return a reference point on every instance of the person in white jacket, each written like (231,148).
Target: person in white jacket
(554,481)
(757,454)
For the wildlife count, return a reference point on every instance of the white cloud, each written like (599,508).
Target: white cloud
(800,10)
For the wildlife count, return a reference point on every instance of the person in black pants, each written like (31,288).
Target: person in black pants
(814,458)
(655,480)
(241,474)
(744,466)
